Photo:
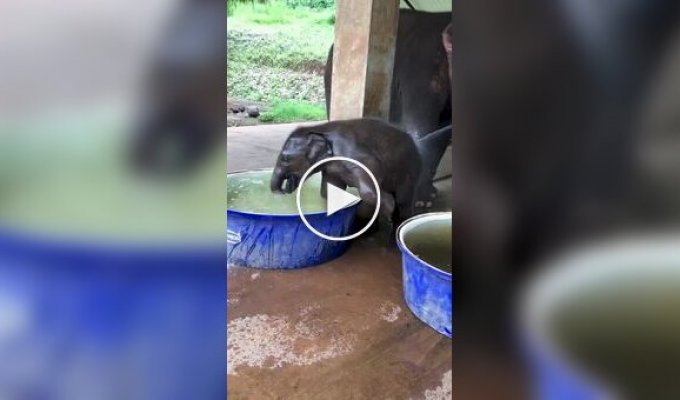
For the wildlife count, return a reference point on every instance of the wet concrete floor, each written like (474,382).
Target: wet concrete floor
(340,330)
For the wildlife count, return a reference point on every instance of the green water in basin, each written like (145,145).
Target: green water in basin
(249,192)
(432,242)
(66,177)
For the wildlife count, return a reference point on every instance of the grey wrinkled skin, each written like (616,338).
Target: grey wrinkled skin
(421,88)
(388,152)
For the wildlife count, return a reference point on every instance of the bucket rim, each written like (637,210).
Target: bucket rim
(437,215)
(259,214)
(546,289)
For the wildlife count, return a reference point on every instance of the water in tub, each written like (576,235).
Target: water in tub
(432,243)
(249,192)
(65,176)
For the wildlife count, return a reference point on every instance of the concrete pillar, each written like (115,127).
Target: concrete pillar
(363,58)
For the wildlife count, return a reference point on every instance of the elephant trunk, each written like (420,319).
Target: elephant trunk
(276,183)
(283,180)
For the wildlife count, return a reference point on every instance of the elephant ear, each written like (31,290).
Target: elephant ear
(317,146)
(447,38)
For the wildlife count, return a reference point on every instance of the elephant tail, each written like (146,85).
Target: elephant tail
(432,147)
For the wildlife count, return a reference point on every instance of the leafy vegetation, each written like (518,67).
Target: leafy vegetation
(278,12)
(277,53)
(314,4)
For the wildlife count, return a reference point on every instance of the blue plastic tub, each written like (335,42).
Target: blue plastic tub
(428,290)
(110,321)
(282,241)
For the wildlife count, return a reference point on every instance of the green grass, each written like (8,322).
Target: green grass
(285,49)
(276,12)
(293,111)
(278,54)
(266,84)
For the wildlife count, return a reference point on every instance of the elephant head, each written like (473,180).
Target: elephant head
(301,150)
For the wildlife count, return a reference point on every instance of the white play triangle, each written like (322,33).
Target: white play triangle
(337,199)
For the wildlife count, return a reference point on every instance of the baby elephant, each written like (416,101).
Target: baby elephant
(388,152)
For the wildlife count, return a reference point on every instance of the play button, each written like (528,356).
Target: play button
(337,199)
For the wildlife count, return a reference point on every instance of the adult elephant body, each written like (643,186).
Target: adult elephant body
(421,88)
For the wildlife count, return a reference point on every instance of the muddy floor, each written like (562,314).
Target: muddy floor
(336,331)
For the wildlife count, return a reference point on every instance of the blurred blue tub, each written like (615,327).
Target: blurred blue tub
(95,321)
(555,374)
(553,379)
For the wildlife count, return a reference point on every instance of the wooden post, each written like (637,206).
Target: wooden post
(363,58)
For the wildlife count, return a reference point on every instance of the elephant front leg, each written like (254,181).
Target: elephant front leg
(324,188)
(387,202)
(326,179)
(386,212)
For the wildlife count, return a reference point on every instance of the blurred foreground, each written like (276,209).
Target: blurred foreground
(567,133)
(112,282)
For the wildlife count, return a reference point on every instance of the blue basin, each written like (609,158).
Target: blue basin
(111,322)
(282,240)
(428,290)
